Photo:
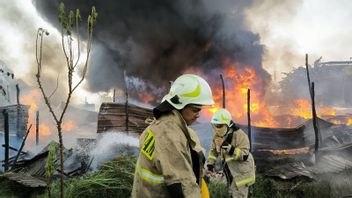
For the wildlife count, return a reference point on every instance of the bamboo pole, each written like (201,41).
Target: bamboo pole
(223,92)
(249,119)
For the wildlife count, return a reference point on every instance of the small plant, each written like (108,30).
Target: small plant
(50,165)
(69,22)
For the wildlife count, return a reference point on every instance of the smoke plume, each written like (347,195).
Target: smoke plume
(158,40)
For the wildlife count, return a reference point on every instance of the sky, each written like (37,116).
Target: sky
(290,29)
(287,29)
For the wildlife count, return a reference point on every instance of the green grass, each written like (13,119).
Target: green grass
(115,179)
(218,189)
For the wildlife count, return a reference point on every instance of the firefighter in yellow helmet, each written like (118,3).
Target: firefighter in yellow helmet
(167,165)
(231,144)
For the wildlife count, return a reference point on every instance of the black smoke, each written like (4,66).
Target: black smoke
(157,40)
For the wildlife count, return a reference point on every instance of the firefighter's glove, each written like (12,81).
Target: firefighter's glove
(210,168)
(228,148)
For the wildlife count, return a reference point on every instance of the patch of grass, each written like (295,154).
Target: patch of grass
(218,189)
(113,179)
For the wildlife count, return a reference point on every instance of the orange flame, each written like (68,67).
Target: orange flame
(301,108)
(69,126)
(146,97)
(238,80)
(349,122)
(346,121)
(335,121)
(32,99)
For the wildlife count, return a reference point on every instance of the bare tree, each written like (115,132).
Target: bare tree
(68,22)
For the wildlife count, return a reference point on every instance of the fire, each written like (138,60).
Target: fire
(301,108)
(238,81)
(44,130)
(32,99)
(349,121)
(69,126)
(146,97)
(335,121)
(346,121)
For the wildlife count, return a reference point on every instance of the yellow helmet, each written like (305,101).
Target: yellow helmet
(189,89)
(222,116)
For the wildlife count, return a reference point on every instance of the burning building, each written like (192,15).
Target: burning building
(11,111)
(9,101)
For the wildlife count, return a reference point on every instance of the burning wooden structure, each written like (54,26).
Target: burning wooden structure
(16,113)
(122,117)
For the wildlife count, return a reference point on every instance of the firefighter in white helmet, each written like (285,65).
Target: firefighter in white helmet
(231,144)
(167,163)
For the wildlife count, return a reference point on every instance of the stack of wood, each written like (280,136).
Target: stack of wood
(119,117)
(14,111)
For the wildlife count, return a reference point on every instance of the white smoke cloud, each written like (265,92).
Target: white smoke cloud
(112,144)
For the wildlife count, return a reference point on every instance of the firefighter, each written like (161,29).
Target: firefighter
(231,144)
(167,164)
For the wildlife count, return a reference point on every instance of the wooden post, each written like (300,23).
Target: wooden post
(7,140)
(113,96)
(21,147)
(223,92)
(308,77)
(318,137)
(126,104)
(18,112)
(37,128)
(18,94)
(249,119)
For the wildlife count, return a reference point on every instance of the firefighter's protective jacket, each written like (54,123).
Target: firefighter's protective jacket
(238,162)
(165,159)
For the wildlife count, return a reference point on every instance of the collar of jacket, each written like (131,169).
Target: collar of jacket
(176,117)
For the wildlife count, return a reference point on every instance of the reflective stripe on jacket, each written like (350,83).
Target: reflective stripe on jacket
(164,159)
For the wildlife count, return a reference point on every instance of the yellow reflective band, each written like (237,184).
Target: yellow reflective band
(236,156)
(149,176)
(194,93)
(148,148)
(237,153)
(247,181)
(228,158)
(211,157)
(224,118)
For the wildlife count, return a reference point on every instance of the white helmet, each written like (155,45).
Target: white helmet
(222,116)
(189,89)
